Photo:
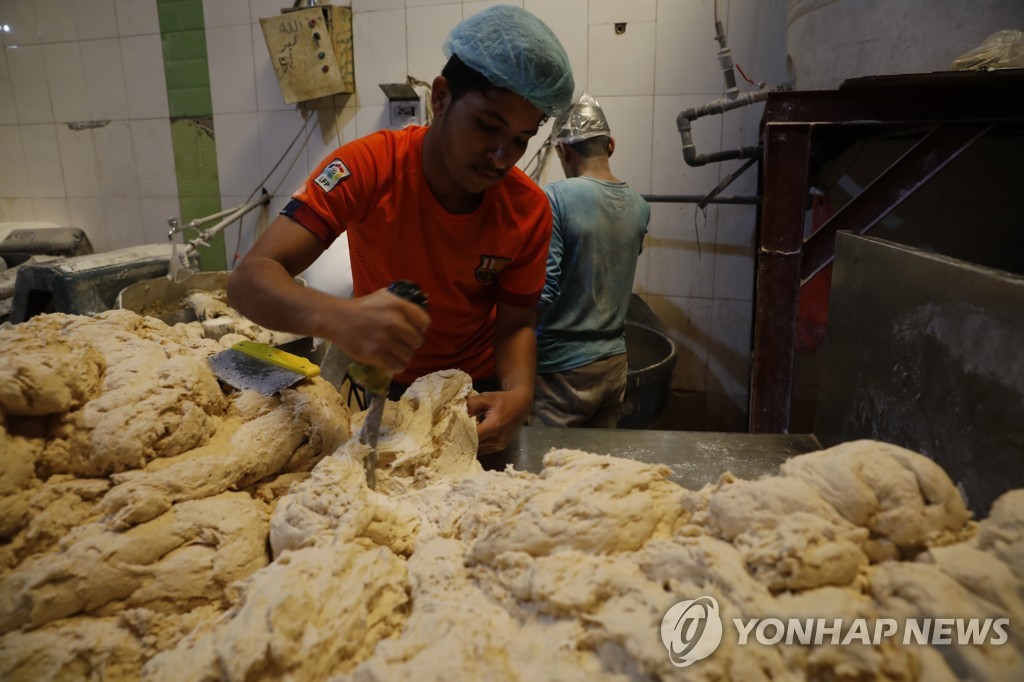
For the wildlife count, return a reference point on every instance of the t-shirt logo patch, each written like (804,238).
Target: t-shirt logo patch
(335,172)
(489,268)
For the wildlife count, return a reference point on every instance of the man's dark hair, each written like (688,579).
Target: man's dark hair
(592,146)
(462,79)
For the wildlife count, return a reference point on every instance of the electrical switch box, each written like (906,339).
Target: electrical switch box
(311,50)
(403,105)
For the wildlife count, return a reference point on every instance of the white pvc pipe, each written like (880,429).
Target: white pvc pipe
(235,214)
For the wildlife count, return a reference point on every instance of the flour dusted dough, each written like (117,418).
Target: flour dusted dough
(17,478)
(312,612)
(157,526)
(1002,533)
(589,503)
(790,537)
(218,320)
(67,651)
(45,372)
(145,494)
(184,557)
(891,491)
(95,375)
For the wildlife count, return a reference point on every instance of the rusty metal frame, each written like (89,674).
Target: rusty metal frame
(778,271)
(952,109)
(890,189)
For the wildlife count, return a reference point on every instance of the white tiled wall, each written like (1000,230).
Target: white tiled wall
(145,85)
(229,51)
(60,23)
(151,144)
(27,70)
(65,73)
(238,160)
(136,17)
(104,79)
(427,28)
(621,64)
(42,160)
(73,61)
(8,112)
(79,163)
(686,51)
(377,36)
(93,18)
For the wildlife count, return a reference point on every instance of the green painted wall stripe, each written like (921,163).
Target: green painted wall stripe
(188,75)
(180,15)
(195,158)
(187,70)
(183,35)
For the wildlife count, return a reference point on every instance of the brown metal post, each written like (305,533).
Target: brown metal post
(784,173)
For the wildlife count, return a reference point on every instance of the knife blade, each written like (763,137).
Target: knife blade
(376,382)
(334,365)
(334,368)
(369,434)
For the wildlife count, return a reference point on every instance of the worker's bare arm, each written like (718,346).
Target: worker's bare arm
(381,329)
(515,357)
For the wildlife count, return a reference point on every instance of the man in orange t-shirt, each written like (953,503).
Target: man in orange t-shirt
(464,262)
(443,206)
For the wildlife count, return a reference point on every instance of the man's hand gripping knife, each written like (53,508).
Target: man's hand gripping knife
(376,382)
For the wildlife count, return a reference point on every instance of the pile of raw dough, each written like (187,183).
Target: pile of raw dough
(216,319)
(158,527)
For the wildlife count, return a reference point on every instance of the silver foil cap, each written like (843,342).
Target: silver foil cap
(582,121)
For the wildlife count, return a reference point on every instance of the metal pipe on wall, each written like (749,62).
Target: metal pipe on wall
(699,199)
(719,106)
(233,215)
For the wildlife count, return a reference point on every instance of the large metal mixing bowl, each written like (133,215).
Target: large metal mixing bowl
(652,357)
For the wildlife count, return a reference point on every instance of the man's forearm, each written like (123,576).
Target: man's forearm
(379,328)
(515,354)
(266,293)
(263,287)
(516,360)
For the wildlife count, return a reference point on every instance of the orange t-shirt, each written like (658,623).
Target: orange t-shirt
(374,189)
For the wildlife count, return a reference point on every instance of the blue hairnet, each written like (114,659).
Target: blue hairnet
(515,50)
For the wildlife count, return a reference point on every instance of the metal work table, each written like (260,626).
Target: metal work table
(696,458)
